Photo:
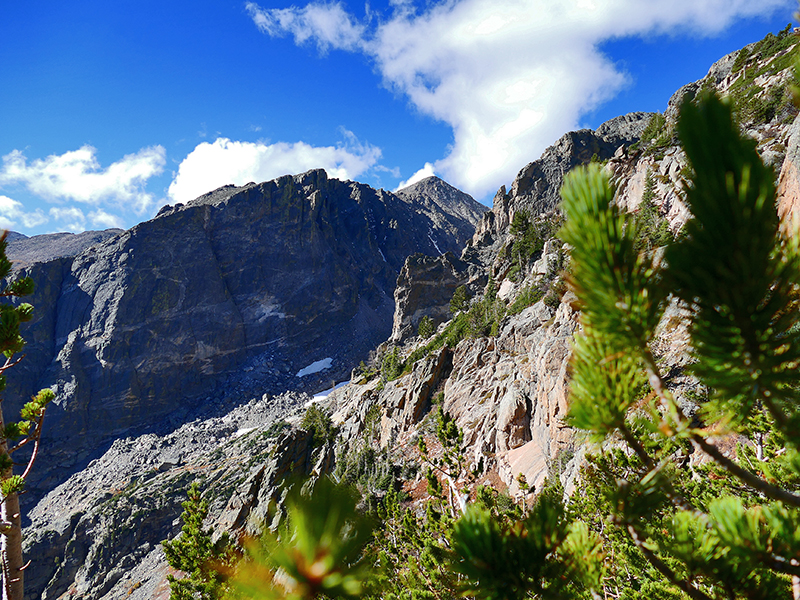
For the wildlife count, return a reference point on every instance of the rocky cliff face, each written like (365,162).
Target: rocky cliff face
(508,391)
(508,394)
(97,535)
(273,286)
(426,284)
(537,186)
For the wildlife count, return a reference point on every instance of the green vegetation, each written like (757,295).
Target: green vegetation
(652,228)
(766,48)
(366,465)
(729,528)
(481,319)
(276,428)
(317,422)
(528,296)
(460,300)
(529,237)
(426,328)
(15,434)
(753,103)
(325,547)
(661,511)
(317,553)
(193,553)
(484,317)
(655,137)
(391,365)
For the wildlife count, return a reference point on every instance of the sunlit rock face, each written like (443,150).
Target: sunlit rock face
(241,289)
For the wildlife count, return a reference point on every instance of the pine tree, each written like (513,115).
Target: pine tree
(194,553)
(15,434)
(738,274)
(426,327)
(460,300)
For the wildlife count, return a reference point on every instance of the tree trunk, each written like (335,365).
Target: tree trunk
(11,538)
(12,549)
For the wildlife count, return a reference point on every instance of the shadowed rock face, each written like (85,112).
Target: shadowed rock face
(424,288)
(240,289)
(448,207)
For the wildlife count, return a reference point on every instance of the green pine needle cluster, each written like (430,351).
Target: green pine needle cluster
(737,274)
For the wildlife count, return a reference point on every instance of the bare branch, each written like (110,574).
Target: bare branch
(636,447)
(748,477)
(8,364)
(780,564)
(35,452)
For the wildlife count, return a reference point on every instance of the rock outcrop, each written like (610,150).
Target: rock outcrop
(536,188)
(449,208)
(424,289)
(97,535)
(509,392)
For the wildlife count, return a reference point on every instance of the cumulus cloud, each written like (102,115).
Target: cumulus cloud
(13,214)
(78,176)
(426,171)
(212,165)
(69,218)
(104,220)
(509,76)
(326,25)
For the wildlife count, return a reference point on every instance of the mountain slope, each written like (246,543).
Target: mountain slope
(269,287)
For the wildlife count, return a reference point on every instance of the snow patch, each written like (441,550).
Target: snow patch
(435,245)
(243,431)
(382,256)
(324,394)
(320,396)
(315,367)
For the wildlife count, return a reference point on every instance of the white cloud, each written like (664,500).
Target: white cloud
(70,218)
(13,212)
(426,171)
(211,165)
(509,76)
(327,25)
(103,220)
(78,176)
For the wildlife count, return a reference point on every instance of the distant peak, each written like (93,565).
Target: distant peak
(430,181)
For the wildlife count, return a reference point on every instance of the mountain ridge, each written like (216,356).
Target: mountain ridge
(240,289)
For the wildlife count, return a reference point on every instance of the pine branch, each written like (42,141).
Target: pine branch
(744,475)
(636,446)
(662,567)
(747,477)
(37,432)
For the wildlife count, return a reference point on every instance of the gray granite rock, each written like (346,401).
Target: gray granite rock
(267,287)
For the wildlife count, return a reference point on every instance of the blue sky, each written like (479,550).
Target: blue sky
(109,110)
